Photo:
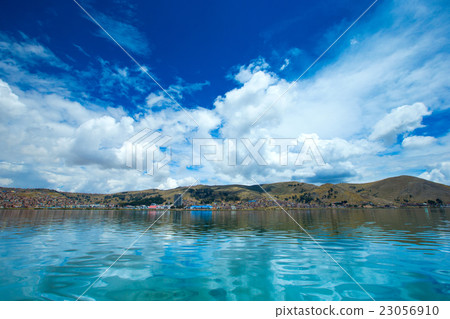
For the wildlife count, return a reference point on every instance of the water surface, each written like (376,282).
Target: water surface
(398,254)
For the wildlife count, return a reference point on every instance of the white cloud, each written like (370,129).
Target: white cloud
(341,102)
(11,167)
(29,51)
(10,106)
(5,181)
(71,147)
(285,64)
(245,73)
(349,107)
(439,174)
(400,120)
(418,141)
(170,182)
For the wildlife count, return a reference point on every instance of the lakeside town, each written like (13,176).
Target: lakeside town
(12,199)
(48,199)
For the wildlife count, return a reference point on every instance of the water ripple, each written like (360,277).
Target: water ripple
(258,255)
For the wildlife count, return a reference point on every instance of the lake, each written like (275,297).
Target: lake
(394,254)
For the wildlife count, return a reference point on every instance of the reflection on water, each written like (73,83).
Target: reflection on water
(234,255)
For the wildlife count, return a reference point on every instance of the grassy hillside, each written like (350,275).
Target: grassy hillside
(403,189)
(395,191)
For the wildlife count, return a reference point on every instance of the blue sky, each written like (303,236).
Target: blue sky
(194,42)
(376,104)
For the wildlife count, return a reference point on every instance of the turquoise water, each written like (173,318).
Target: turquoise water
(258,255)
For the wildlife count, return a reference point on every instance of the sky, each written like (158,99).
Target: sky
(260,74)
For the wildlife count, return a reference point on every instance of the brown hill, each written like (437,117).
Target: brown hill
(395,191)
(401,190)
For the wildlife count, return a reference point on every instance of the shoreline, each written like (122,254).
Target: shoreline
(211,210)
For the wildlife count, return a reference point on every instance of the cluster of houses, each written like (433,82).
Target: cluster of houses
(11,198)
(16,199)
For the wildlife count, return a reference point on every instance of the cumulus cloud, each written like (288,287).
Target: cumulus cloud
(440,174)
(400,120)
(353,108)
(418,141)
(10,106)
(65,145)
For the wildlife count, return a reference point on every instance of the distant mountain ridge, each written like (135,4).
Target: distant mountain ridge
(394,191)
